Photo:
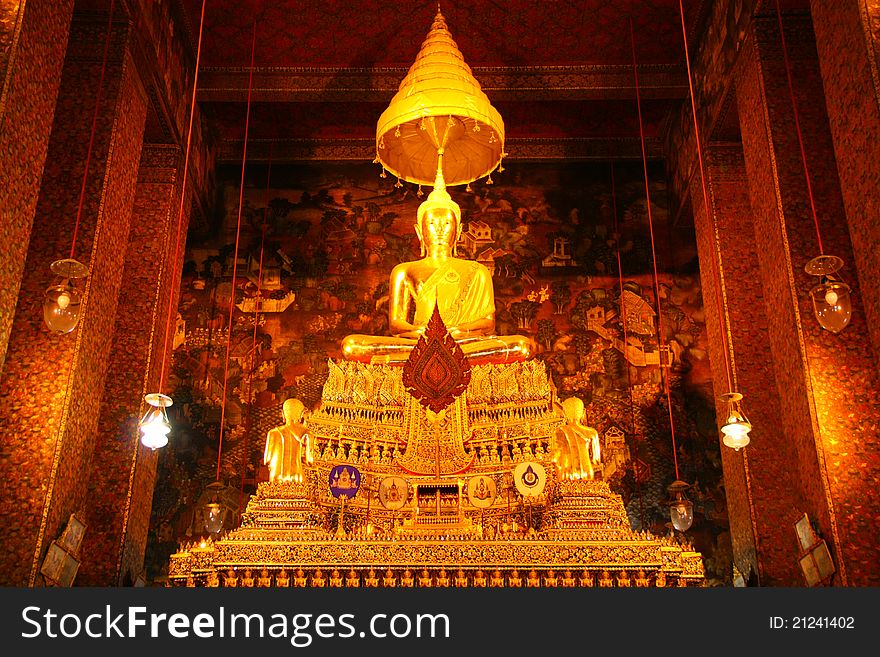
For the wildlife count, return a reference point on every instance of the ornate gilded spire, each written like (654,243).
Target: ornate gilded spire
(440,106)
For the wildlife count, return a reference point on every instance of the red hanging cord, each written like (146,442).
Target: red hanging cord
(632,405)
(192,111)
(664,376)
(82,190)
(247,122)
(248,423)
(797,125)
(716,270)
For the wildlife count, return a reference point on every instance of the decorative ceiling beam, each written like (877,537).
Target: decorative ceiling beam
(285,84)
(363,150)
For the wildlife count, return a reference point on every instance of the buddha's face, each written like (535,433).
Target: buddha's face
(438,227)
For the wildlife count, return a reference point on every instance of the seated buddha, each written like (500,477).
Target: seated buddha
(461,290)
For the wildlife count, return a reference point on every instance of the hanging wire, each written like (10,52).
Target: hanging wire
(632,405)
(247,122)
(82,190)
(663,374)
(248,422)
(797,125)
(716,269)
(192,111)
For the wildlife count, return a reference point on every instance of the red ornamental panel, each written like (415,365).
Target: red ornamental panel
(437,371)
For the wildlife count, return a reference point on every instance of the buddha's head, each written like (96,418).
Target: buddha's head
(573,408)
(438,221)
(293,410)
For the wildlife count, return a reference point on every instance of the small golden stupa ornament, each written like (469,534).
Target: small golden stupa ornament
(440,106)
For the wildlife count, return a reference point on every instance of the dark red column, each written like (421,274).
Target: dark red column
(52,385)
(33,39)
(760,484)
(123,471)
(828,383)
(848,43)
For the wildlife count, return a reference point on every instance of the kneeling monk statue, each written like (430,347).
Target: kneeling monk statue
(461,289)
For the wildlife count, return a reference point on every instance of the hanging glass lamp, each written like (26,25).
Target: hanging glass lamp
(736,425)
(831,299)
(154,425)
(62,303)
(213,510)
(681,509)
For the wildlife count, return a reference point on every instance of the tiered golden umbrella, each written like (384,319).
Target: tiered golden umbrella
(440,109)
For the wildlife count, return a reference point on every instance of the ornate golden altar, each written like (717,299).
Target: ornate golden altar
(576,533)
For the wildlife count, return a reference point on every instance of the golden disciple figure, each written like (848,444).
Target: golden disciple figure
(461,289)
(575,445)
(288,447)
(264,580)
(514,580)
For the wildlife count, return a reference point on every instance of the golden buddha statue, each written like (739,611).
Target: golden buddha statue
(336,579)
(371,581)
(550,579)
(247,580)
(318,579)
(623,579)
(213,580)
(264,581)
(287,446)
(641,579)
(461,290)
(299,578)
(605,580)
(230,579)
(407,579)
(460,578)
(480,578)
(586,579)
(425,579)
(443,580)
(496,579)
(660,580)
(352,581)
(389,581)
(568,580)
(514,579)
(575,445)
(282,579)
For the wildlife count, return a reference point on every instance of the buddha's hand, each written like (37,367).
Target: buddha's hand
(415,334)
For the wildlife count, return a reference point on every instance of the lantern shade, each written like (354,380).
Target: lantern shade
(440,105)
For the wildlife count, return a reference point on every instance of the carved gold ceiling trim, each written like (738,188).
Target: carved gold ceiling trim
(525,83)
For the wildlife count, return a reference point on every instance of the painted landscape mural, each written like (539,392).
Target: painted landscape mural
(317,244)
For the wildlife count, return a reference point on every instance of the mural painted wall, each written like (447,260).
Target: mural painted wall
(329,235)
